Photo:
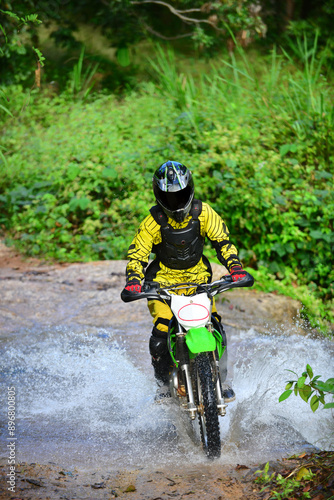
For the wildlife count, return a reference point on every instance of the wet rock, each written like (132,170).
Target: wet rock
(98,486)
(265,312)
(89,294)
(35,482)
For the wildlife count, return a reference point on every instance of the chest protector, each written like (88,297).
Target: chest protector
(180,248)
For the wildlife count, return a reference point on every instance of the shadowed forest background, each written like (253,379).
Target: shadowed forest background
(96,95)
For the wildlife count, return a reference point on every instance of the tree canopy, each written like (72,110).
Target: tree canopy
(203,25)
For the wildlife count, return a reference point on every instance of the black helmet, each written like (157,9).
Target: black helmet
(173,187)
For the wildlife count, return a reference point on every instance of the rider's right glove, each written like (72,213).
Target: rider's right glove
(133,286)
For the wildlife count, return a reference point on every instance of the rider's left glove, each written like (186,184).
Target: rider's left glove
(133,286)
(237,273)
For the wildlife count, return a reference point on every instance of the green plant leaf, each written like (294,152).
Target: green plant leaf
(291,371)
(5,110)
(285,395)
(323,175)
(305,392)
(4,34)
(11,14)
(324,386)
(302,473)
(33,18)
(317,235)
(309,371)
(328,405)
(109,173)
(40,56)
(301,382)
(321,397)
(230,163)
(314,403)
(73,171)
(287,148)
(83,203)
(123,56)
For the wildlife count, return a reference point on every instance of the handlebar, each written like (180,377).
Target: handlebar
(152,290)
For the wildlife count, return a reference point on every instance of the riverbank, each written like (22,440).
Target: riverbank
(210,481)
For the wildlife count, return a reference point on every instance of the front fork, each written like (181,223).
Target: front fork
(182,355)
(221,406)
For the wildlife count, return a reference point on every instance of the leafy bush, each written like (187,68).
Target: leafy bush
(77,197)
(310,477)
(77,176)
(313,392)
(283,487)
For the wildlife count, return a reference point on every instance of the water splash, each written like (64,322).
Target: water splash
(80,398)
(83,399)
(257,423)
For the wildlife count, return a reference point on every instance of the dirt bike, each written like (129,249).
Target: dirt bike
(196,346)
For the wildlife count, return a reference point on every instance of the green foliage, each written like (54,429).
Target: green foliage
(17,31)
(309,477)
(319,18)
(7,47)
(77,197)
(20,21)
(312,391)
(77,177)
(81,81)
(205,27)
(40,56)
(276,154)
(263,476)
(124,24)
(284,487)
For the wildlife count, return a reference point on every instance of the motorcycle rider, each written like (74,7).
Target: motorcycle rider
(175,231)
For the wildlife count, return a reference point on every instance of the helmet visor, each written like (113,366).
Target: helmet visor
(176,200)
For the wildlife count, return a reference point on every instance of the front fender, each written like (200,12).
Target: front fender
(200,340)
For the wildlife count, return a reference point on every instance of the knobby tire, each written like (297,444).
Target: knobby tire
(206,399)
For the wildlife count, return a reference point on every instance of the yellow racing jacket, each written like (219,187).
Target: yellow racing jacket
(149,236)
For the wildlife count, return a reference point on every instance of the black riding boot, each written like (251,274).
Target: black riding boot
(161,367)
(161,361)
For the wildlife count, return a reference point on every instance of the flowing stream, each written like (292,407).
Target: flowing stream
(85,398)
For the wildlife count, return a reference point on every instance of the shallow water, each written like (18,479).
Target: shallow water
(85,398)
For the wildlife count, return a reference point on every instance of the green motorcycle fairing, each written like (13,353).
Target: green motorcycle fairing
(198,340)
(201,340)
(220,347)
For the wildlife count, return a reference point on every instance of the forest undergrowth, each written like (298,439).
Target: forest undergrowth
(257,133)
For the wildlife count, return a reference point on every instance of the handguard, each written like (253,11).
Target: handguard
(247,281)
(128,296)
(146,293)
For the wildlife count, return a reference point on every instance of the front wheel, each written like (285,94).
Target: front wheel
(207,406)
